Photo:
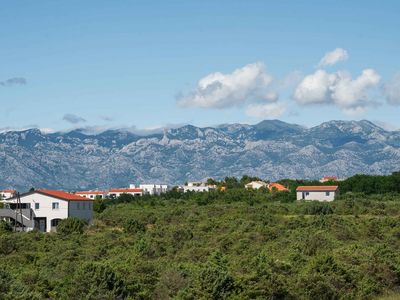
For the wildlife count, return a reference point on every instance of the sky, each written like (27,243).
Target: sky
(149,64)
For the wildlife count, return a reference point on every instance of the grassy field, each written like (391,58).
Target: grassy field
(197,248)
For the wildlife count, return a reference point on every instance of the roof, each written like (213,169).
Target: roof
(330,178)
(126,191)
(90,193)
(8,191)
(278,186)
(62,195)
(317,188)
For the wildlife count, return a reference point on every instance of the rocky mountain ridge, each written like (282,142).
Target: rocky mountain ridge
(271,149)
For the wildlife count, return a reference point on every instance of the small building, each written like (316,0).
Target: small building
(274,186)
(92,194)
(153,189)
(198,187)
(114,193)
(319,193)
(44,209)
(255,185)
(328,178)
(5,194)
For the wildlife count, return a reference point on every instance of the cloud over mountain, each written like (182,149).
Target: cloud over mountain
(339,88)
(217,90)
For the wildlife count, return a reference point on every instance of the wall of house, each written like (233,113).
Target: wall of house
(316,195)
(82,210)
(45,209)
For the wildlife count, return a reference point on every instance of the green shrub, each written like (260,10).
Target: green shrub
(134,226)
(70,226)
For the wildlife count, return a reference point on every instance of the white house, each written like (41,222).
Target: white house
(319,193)
(255,185)
(114,193)
(5,194)
(197,187)
(152,189)
(44,209)
(92,194)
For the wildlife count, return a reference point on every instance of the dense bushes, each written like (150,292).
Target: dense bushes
(212,246)
(70,226)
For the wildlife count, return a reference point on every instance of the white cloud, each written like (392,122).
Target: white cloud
(314,88)
(332,57)
(350,95)
(392,90)
(250,83)
(267,110)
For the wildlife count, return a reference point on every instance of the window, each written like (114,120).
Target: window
(307,193)
(37,205)
(55,205)
(54,222)
(327,193)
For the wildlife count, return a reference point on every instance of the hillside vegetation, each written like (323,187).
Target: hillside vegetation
(233,245)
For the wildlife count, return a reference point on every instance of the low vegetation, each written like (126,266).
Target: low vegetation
(235,244)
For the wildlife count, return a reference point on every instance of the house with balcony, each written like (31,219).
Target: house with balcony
(44,209)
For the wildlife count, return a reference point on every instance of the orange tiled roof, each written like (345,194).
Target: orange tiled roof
(334,178)
(62,195)
(317,188)
(278,186)
(8,191)
(90,193)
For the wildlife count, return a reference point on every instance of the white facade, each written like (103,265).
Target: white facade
(47,210)
(202,188)
(256,185)
(318,194)
(92,194)
(5,194)
(114,193)
(152,189)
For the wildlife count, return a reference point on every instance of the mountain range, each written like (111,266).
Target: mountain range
(271,149)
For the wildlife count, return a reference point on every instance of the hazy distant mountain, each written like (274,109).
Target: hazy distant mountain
(271,149)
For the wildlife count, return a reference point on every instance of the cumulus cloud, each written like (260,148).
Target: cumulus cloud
(73,119)
(350,95)
(267,110)
(392,90)
(332,57)
(250,83)
(13,81)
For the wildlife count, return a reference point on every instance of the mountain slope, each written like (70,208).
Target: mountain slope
(271,149)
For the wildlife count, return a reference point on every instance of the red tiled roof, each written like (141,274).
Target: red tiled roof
(278,186)
(8,191)
(317,188)
(62,195)
(90,193)
(334,178)
(126,190)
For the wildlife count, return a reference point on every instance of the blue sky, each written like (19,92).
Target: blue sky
(67,64)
